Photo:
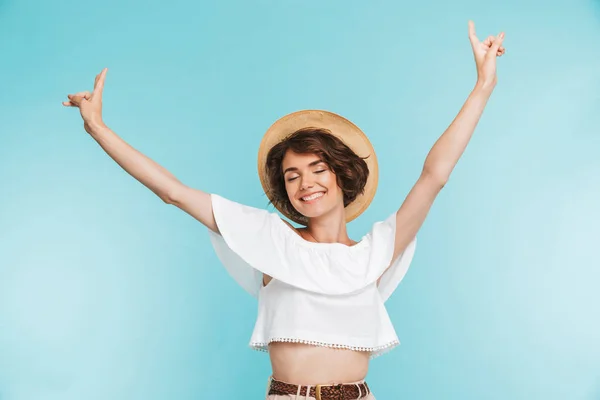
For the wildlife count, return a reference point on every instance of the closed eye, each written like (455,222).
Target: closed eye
(316,172)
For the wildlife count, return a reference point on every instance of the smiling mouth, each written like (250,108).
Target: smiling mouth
(312,197)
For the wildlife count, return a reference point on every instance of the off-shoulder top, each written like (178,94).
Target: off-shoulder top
(322,294)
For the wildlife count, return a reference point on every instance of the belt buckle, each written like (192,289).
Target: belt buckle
(338,387)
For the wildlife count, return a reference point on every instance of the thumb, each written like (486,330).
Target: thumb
(496,45)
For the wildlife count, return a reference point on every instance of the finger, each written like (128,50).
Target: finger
(99,86)
(85,95)
(97,79)
(68,104)
(489,41)
(472,28)
(496,44)
(76,99)
(472,33)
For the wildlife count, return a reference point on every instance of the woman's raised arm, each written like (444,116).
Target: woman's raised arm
(448,149)
(156,178)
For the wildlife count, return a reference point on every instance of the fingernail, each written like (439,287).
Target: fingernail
(501,34)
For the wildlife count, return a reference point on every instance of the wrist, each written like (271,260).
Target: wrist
(485,86)
(96,127)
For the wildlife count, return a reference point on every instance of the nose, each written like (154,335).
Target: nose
(306,184)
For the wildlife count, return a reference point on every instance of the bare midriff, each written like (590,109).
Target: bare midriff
(304,364)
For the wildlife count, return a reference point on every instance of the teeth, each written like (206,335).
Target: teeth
(312,196)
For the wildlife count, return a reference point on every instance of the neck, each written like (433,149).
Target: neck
(329,228)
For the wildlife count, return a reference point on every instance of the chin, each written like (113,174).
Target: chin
(316,212)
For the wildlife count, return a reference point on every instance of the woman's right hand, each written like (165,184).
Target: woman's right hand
(89,104)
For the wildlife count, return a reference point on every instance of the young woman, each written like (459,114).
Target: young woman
(321,315)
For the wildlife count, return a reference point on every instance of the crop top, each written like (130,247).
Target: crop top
(323,294)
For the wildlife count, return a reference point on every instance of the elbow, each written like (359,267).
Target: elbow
(437,172)
(436,177)
(166,198)
(170,196)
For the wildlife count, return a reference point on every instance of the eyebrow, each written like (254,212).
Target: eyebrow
(312,164)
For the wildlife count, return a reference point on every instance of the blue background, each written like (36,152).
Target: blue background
(107,293)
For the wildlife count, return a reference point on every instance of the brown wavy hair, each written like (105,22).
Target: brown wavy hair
(351,171)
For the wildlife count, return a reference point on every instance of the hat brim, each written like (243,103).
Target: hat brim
(340,127)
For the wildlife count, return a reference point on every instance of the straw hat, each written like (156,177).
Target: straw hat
(340,127)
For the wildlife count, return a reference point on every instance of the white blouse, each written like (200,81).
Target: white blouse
(323,294)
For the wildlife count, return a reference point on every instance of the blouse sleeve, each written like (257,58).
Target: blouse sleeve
(383,237)
(241,230)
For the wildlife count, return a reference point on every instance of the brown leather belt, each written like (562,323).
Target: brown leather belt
(322,392)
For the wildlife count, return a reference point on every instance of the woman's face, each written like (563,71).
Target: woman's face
(311,186)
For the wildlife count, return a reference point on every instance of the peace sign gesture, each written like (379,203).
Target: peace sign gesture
(89,104)
(485,55)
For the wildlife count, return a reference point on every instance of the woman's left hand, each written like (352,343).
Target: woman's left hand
(485,55)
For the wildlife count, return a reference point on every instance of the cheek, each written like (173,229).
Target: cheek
(329,180)
(290,188)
